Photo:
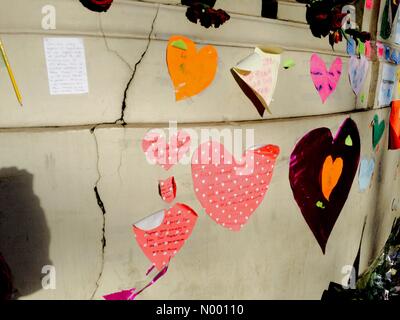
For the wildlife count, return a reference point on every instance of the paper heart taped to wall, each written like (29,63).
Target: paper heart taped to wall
(358,71)
(325,81)
(365,173)
(159,152)
(191,71)
(228,190)
(378,128)
(394,126)
(162,235)
(320,205)
(257,76)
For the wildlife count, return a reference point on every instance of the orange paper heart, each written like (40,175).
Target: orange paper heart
(191,71)
(331,171)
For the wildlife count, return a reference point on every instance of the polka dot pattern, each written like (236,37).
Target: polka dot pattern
(159,152)
(163,242)
(228,190)
(167,189)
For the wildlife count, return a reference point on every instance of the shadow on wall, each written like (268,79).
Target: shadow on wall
(24,235)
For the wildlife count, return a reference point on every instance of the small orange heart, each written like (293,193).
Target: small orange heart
(191,71)
(331,171)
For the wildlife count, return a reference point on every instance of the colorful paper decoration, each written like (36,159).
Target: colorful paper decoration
(331,172)
(163,234)
(387,53)
(288,63)
(388,15)
(191,71)
(159,152)
(97,5)
(358,71)
(378,129)
(394,126)
(133,293)
(257,75)
(121,295)
(365,173)
(368,49)
(167,189)
(228,190)
(387,84)
(351,47)
(322,169)
(325,81)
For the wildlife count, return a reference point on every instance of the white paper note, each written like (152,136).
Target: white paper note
(387,84)
(66,65)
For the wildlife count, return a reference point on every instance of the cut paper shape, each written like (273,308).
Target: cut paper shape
(358,71)
(348,141)
(394,126)
(331,172)
(351,47)
(361,47)
(325,81)
(320,204)
(180,44)
(306,168)
(378,129)
(132,294)
(368,49)
(365,173)
(167,189)
(288,63)
(228,190)
(379,46)
(191,71)
(387,84)
(163,234)
(257,75)
(159,152)
(121,295)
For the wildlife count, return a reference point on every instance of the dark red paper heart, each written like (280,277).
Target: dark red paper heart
(306,162)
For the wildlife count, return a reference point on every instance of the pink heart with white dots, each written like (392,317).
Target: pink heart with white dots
(228,190)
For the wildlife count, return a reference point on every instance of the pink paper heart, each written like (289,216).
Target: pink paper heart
(163,242)
(231,191)
(358,70)
(325,81)
(158,151)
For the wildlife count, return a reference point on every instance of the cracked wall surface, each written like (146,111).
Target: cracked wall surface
(74,178)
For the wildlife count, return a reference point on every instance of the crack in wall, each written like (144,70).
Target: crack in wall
(108,47)
(100,203)
(121,120)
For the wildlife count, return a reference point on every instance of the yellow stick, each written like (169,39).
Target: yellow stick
(10,73)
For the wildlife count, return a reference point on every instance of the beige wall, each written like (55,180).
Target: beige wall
(51,160)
